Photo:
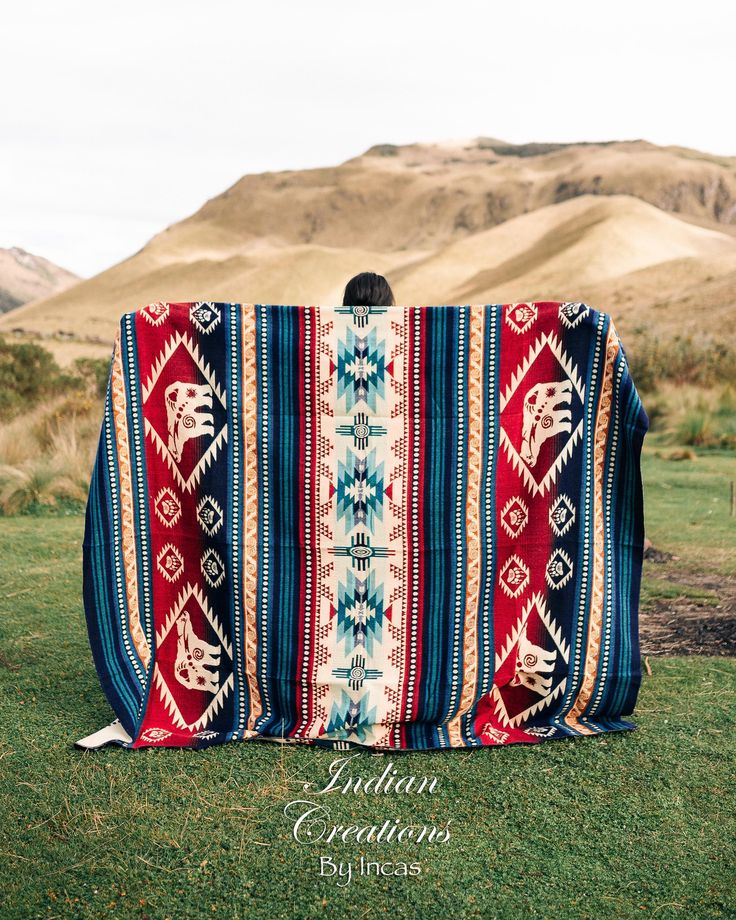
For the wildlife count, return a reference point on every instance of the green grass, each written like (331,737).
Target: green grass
(657,590)
(686,507)
(629,824)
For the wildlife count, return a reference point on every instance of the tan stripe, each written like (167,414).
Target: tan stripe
(472,518)
(595,622)
(120,418)
(250,511)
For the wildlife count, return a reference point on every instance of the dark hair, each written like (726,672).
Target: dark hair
(368,290)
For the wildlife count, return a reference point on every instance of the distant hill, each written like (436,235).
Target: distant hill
(26,277)
(646,233)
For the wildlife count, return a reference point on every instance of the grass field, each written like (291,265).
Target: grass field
(686,506)
(630,824)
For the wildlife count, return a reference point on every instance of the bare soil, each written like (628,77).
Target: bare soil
(685,625)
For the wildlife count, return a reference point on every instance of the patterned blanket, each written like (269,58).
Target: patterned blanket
(402,527)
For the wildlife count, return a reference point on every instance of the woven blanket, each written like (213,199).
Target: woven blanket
(409,527)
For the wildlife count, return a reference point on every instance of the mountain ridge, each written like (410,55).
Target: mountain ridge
(446,222)
(26,277)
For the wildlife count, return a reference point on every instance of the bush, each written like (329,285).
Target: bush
(94,372)
(699,417)
(29,374)
(696,428)
(704,362)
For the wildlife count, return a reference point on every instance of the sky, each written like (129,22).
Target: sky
(117,121)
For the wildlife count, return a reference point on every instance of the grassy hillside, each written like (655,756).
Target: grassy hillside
(646,233)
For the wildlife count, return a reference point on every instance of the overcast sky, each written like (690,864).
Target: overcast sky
(116,121)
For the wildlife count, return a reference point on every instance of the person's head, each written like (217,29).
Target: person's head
(368,290)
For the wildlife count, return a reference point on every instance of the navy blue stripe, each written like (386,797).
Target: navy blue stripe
(439,491)
(117,680)
(122,673)
(628,546)
(279,600)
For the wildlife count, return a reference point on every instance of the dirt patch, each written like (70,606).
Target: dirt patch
(686,625)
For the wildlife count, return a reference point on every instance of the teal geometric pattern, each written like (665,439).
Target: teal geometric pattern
(359,490)
(361,369)
(360,611)
(350,717)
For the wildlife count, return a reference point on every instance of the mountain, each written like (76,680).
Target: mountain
(646,233)
(614,251)
(26,277)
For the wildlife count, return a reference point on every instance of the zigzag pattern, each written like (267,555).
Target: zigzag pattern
(182,338)
(205,460)
(175,713)
(193,590)
(553,472)
(513,721)
(251,503)
(537,602)
(556,346)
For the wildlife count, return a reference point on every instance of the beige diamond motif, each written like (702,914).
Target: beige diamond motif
(155,313)
(514,576)
(520,316)
(170,562)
